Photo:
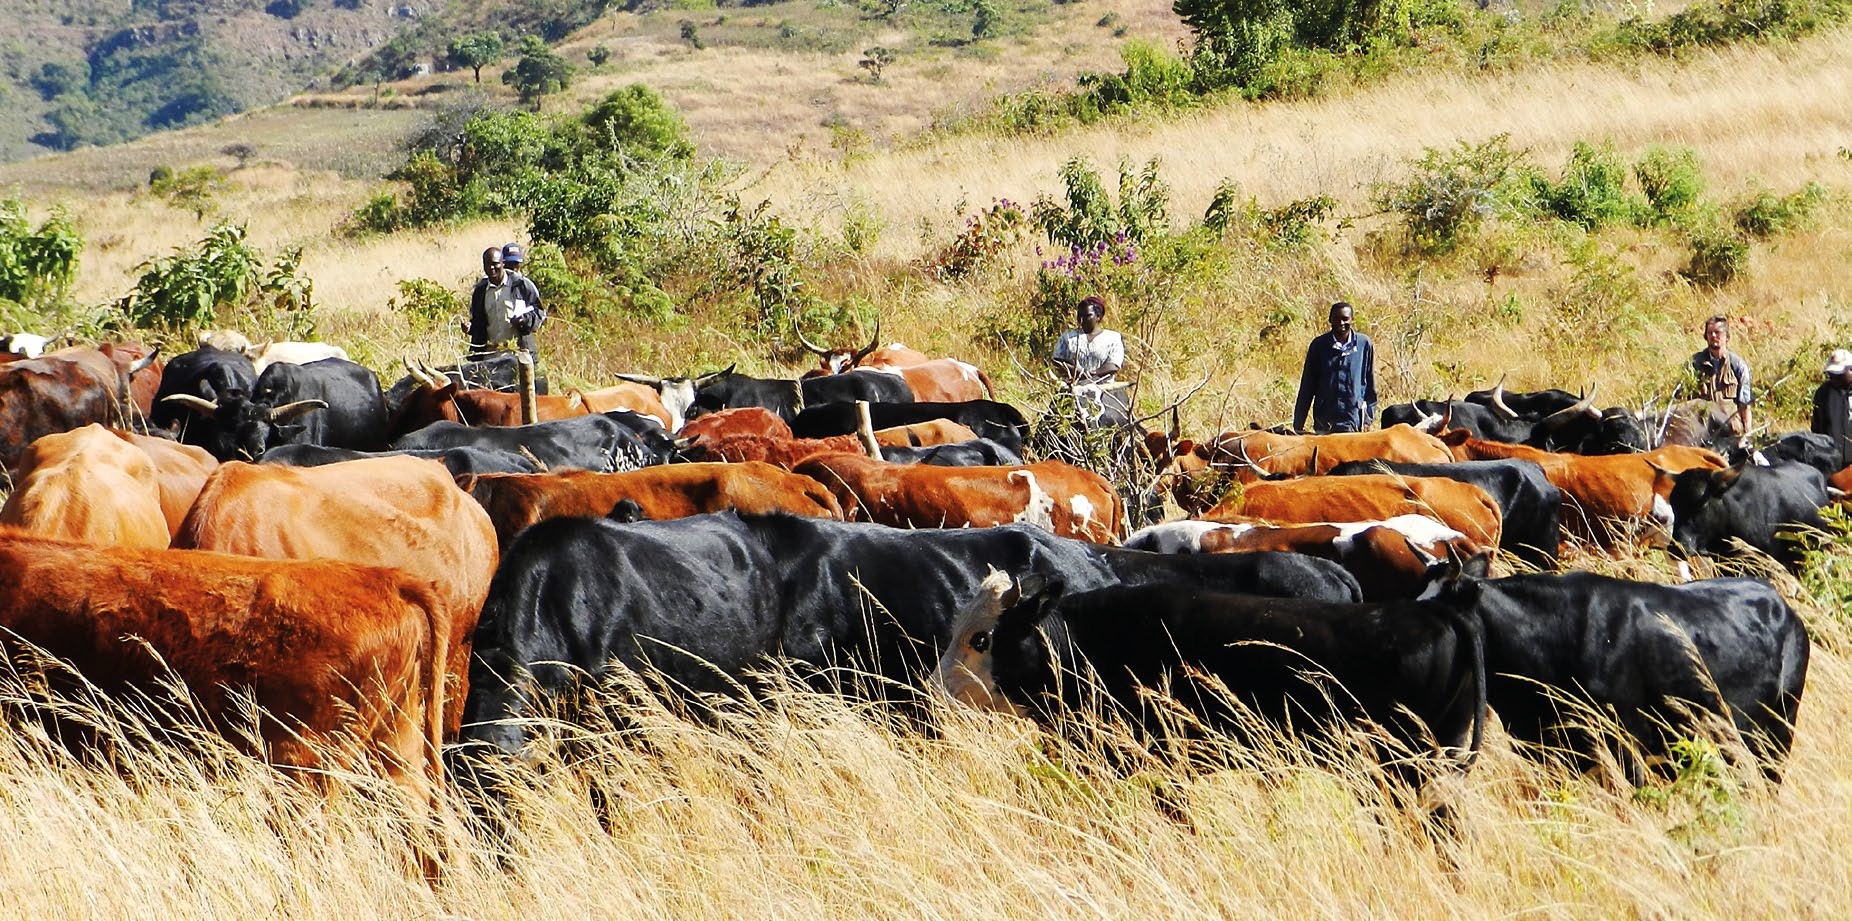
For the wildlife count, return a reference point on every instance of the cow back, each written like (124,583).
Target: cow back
(1462,506)
(87,485)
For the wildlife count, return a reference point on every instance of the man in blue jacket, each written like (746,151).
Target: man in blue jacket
(1338,385)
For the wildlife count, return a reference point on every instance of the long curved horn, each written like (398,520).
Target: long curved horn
(723,372)
(192,402)
(1446,416)
(654,383)
(1584,405)
(416,374)
(290,411)
(872,341)
(814,348)
(142,364)
(1498,397)
(439,380)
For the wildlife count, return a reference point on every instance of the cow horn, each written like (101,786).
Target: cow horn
(192,402)
(407,362)
(143,363)
(1241,454)
(1427,559)
(644,379)
(1176,426)
(1836,494)
(1586,404)
(290,411)
(713,374)
(439,380)
(1429,423)
(1446,416)
(872,340)
(576,400)
(1498,397)
(814,348)
(1726,478)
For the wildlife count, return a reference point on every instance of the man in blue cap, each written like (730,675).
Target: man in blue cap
(1338,385)
(504,306)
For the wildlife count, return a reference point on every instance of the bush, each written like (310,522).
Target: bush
(1091,218)
(1452,192)
(192,189)
(36,264)
(539,71)
(426,303)
(1766,214)
(1593,190)
(1671,183)
(598,55)
(638,122)
(188,288)
(1718,255)
(986,234)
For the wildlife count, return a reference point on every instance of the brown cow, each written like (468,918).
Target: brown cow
(636,398)
(61,391)
(1373,497)
(932,380)
(333,653)
(1605,497)
(1378,553)
(440,398)
(87,485)
(404,512)
(141,370)
(718,426)
(1841,481)
(1061,498)
(180,469)
(924,434)
(516,501)
(788,452)
(1253,455)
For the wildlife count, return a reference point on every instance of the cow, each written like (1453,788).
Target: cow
(930,380)
(64,390)
(459,461)
(333,654)
(1378,553)
(30,345)
(206,373)
(837,361)
(1550,420)
(337,402)
(727,389)
(850,386)
(1643,655)
(1062,498)
(294,353)
(441,398)
(1811,448)
(180,472)
(1413,673)
(1435,416)
(404,512)
(626,395)
(593,442)
(1605,498)
(788,452)
(1760,506)
(1529,505)
(677,394)
(721,425)
(1376,497)
(515,502)
(925,434)
(497,372)
(705,599)
(1534,404)
(980,452)
(999,422)
(88,485)
(141,369)
(1254,455)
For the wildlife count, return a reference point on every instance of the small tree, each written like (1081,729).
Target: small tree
(984,16)
(874,60)
(598,55)
(691,35)
(241,151)
(476,51)
(540,71)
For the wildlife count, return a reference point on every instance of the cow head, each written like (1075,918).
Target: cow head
(1453,578)
(679,394)
(1692,505)
(995,642)
(243,427)
(836,361)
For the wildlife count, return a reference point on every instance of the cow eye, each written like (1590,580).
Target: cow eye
(980,641)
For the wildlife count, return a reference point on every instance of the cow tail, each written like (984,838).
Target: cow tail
(437,621)
(1470,622)
(990,393)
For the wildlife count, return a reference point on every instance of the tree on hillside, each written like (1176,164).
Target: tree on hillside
(477,51)
(1241,37)
(539,72)
(637,121)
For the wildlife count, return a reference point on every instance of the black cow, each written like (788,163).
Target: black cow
(337,402)
(1432,416)
(1757,505)
(1627,650)
(730,390)
(999,422)
(860,384)
(1414,671)
(1810,448)
(591,442)
(1530,507)
(1532,405)
(703,599)
(981,452)
(459,461)
(1589,431)
(206,373)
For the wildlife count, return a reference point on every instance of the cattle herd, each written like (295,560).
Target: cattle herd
(422,566)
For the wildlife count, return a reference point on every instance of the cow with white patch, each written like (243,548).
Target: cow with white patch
(25,345)
(1385,556)
(295,353)
(1051,495)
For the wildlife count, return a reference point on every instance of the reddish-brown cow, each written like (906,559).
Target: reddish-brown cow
(88,485)
(1064,499)
(404,512)
(636,398)
(1375,497)
(1378,553)
(181,470)
(333,653)
(1187,466)
(1605,497)
(516,501)
(59,392)
(716,427)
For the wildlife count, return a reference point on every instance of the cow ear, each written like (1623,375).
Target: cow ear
(1723,480)
(1035,594)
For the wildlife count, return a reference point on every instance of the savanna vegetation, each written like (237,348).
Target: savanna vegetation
(1562,191)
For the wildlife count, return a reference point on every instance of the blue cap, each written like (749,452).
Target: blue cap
(513,254)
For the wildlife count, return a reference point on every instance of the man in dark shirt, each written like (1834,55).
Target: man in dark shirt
(1832,404)
(504,306)
(1338,385)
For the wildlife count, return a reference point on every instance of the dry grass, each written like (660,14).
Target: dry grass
(812,807)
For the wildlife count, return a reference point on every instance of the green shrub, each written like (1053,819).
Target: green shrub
(598,55)
(986,234)
(1451,193)
(37,264)
(1766,214)
(1725,22)
(636,121)
(427,304)
(193,188)
(1718,255)
(540,71)
(1593,190)
(188,288)
(1090,217)
(1671,182)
